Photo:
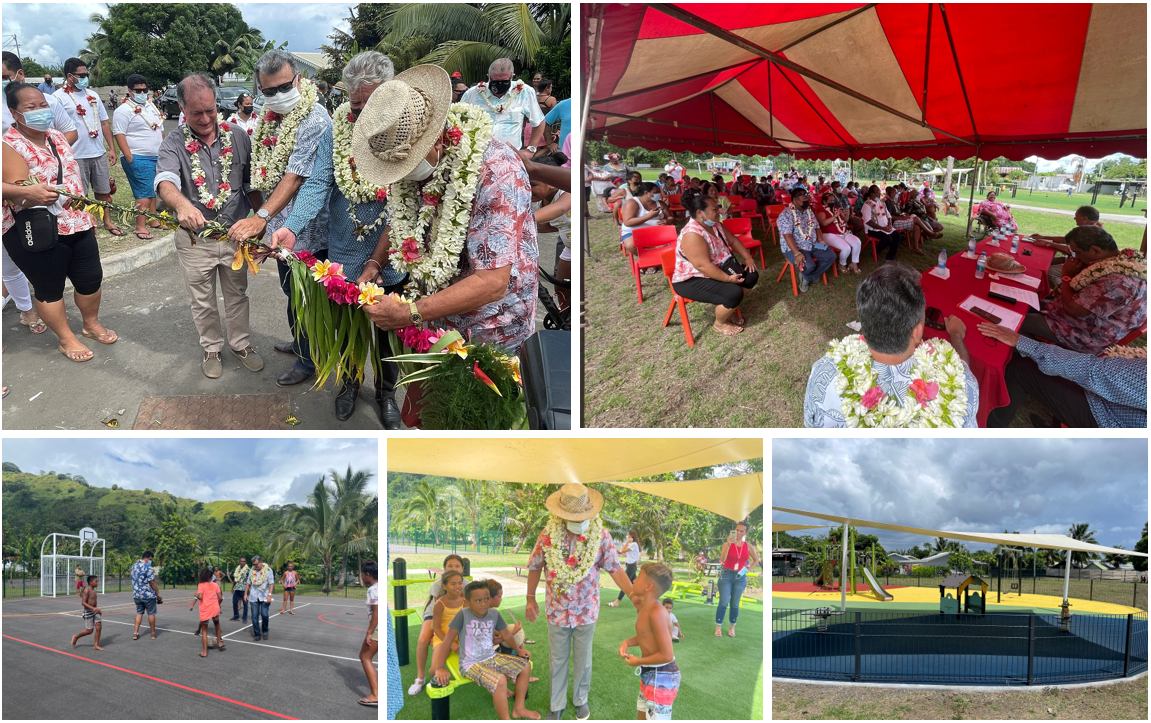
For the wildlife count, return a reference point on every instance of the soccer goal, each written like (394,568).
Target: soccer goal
(58,565)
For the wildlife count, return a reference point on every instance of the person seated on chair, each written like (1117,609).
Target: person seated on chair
(917,207)
(706,268)
(902,221)
(1084,216)
(1080,390)
(713,191)
(641,210)
(1102,298)
(764,194)
(951,201)
(834,228)
(845,203)
(801,240)
(994,213)
(742,187)
(888,388)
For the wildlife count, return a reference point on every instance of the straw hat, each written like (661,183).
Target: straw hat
(574,502)
(400,123)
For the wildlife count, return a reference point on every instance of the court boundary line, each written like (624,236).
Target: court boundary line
(320,617)
(250,628)
(149,677)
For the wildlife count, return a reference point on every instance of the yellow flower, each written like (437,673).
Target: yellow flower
(456,347)
(513,365)
(324,270)
(370,294)
(244,253)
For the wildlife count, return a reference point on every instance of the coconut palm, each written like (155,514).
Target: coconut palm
(313,528)
(470,493)
(228,54)
(425,507)
(246,66)
(95,50)
(350,502)
(1080,532)
(1115,559)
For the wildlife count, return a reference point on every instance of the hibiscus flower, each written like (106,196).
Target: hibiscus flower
(872,397)
(923,391)
(381,194)
(455,134)
(411,250)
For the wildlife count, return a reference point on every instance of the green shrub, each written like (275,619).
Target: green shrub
(924,571)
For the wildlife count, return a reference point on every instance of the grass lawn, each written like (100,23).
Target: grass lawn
(638,374)
(722,679)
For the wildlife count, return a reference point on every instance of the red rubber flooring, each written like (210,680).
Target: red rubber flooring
(810,587)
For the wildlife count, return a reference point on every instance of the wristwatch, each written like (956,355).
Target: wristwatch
(531,148)
(415,313)
(263,213)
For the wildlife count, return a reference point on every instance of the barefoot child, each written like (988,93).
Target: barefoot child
(473,627)
(291,577)
(659,675)
(672,622)
(496,591)
(209,595)
(451,562)
(92,619)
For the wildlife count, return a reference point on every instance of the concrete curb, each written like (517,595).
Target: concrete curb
(960,688)
(128,261)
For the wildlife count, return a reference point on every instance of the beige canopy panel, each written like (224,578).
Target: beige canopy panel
(559,461)
(1053,542)
(732,497)
(784,527)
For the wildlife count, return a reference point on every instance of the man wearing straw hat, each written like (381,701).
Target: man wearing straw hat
(569,553)
(477,275)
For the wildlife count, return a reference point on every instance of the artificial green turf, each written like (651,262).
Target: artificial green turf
(721,678)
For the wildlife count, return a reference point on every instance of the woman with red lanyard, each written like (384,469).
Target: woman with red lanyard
(48,239)
(737,555)
(831,221)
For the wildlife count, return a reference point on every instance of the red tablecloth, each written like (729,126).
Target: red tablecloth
(988,357)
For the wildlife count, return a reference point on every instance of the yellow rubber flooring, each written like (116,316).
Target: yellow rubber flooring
(1041,603)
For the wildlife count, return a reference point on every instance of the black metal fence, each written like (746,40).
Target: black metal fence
(929,647)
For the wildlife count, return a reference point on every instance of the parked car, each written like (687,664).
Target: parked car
(226,99)
(168,104)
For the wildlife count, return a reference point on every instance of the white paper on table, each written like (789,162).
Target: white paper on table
(1017,278)
(1008,318)
(1027,297)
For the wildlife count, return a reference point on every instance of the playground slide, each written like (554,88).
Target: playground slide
(875,586)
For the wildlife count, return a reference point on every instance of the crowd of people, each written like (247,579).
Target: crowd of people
(303,174)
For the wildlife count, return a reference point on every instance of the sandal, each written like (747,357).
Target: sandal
(202,655)
(116,231)
(369,703)
(102,337)
(153,636)
(135,636)
(738,329)
(37,326)
(143,235)
(718,634)
(76,355)
(220,645)
(731,632)
(6,390)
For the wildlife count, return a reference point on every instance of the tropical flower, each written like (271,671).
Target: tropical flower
(923,391)
(410,250)
(566,568)
(325,271)
(873,397)
(479,374)
(194,146)
(370,294)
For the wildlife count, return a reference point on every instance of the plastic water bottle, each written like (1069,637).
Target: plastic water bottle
(942,265)
(1015,243)
(971,247)
(981,266)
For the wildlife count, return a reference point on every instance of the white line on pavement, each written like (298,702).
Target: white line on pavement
(245,628)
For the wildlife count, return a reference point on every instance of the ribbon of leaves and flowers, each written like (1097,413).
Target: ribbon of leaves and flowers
(139,108)
(275,138)
(1129,262)
(194,146)
(566,570)
(938,387)
(93,126)
(499,105)
(429,221)
(355,188)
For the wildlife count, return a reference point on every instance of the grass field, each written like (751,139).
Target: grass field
(722,679)
(638,374)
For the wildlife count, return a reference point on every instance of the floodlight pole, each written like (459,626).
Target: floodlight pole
(843,572)
(1067,577)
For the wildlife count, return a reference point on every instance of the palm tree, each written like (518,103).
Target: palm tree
(425,506)
(246,65)
(227,54)
(470,493)
(526,515)
(314,528)
(350,502)
(1115,559)
(940,545)
(1079,532)
(95,50)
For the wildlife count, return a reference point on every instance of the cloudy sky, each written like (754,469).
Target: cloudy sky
(52,32)
(975,485)
(266,472)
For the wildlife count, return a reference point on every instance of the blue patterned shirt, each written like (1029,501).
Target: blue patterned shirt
(142,574)
(1116,388)
(315,126)
(786,224)
(822,407)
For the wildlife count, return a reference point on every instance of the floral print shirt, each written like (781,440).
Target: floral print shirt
(717,251)
(142,573)
(43,167)
(502,233)
(579,604)
(1117,303)
(261,581)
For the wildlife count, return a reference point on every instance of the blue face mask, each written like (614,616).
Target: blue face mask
(708,222)
(5,85)
(39,119)
(140,98)
(81,84)
(655,196)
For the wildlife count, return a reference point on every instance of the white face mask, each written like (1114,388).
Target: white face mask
(282,103)
(578,528)
(422,171)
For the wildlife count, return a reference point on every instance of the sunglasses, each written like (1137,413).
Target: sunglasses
(79,75)
(283,88)
(139,90)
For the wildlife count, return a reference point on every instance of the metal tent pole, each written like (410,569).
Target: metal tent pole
(843,572)
(1067,577)
(971,198)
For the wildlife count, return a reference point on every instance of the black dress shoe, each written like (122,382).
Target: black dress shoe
(389,411)
(285,347)
(346,396)
(265,636)
(294,376)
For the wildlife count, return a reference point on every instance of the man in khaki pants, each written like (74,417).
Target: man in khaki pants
(192,183)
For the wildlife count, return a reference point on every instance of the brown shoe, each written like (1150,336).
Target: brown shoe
(250,359)
(212,365)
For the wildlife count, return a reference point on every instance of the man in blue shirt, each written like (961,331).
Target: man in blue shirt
(1081,390)
(48,86)
(561,112)
(145,593)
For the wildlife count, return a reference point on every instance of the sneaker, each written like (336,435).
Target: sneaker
(250,359)
(803,284)
(212,366)
(555,714)
(583,712)
(416,687)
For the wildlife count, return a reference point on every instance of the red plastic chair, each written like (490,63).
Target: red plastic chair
(794,287)
(773,212)
(667,260)
(874,244)
(648,241)
(741,229)
(1135,334)
(673,203)
(749,210)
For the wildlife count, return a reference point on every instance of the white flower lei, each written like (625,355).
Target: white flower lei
(556,553)
(1134,266)
(225,189)
(355,188)
(501,103)
(1126,352)
(270,160)
(94,128)
(935,361)
(454,186)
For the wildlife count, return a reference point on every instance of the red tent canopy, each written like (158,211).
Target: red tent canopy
(824,80)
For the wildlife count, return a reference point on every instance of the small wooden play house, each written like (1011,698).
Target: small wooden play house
(962,583)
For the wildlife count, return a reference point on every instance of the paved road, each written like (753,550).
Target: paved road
(1109,217)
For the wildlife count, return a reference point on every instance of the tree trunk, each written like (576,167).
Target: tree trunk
(327,573)
(344,574)
(520,543)
(947,173)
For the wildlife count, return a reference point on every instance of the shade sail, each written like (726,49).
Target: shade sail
(1053,542)
(564,460)
(784,527)
(732,497)
(852,80)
